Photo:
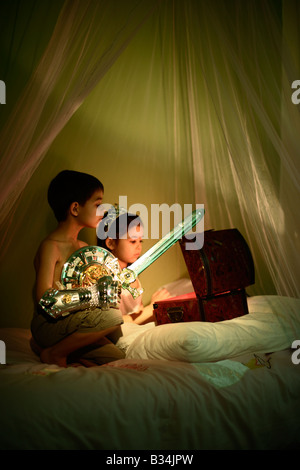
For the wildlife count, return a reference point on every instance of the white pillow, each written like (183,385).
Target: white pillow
(17,345)
(130,331)
(272,324)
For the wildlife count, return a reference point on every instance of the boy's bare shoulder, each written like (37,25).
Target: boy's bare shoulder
(48,244)
(48,248)
(56,249)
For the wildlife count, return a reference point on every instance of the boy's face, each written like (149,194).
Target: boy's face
(88,212)
(129,249)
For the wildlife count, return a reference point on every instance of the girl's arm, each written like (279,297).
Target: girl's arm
(146,315)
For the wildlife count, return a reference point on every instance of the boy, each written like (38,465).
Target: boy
(74,198)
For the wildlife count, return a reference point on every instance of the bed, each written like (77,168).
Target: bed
(181,387)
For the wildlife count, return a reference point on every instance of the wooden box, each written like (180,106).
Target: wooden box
(220,270)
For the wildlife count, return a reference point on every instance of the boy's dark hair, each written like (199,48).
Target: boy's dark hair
(71,186)
(118,228)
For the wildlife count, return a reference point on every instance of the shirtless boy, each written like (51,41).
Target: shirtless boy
(74,198)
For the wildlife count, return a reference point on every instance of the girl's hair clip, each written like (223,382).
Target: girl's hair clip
(111,215)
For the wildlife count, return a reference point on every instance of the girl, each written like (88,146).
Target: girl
(122,235)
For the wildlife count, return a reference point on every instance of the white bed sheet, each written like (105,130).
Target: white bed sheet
(252,402)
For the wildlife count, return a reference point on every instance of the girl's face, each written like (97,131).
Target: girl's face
(129,249)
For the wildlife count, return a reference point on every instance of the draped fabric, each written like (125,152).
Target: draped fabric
(245,129)
(86,41)
(173,101)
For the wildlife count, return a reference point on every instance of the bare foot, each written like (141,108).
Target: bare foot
(49,357)
(103,341)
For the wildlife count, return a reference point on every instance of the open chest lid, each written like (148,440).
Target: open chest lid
(222,262)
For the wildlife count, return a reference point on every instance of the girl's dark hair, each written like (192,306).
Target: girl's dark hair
(118,228)
(71,186)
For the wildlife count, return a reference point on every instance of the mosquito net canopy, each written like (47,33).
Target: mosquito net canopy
(166,102)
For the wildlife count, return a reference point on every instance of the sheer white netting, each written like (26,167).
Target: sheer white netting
(86,41)
(242,128)
(213,119)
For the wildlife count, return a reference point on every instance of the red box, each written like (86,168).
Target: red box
(220,271)
(190,307)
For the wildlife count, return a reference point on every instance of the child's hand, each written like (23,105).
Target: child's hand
(161,294)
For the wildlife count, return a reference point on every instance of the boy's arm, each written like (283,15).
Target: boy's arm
(46,260)
(60,302)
